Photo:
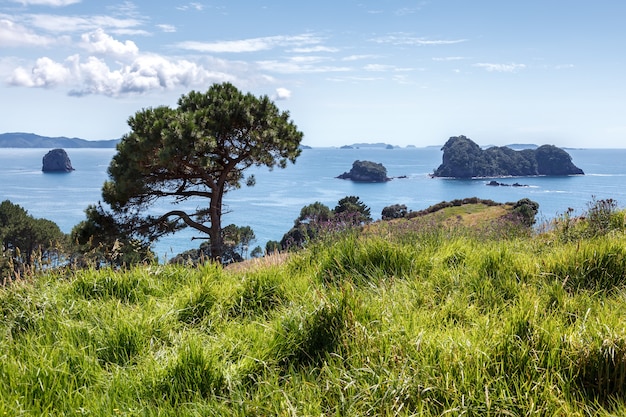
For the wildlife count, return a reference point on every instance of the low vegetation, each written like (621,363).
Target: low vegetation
(410,317)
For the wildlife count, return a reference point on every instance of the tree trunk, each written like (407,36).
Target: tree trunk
(215,235)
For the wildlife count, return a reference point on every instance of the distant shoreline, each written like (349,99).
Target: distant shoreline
(31,140)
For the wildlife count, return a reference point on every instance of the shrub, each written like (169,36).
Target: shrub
(396,211)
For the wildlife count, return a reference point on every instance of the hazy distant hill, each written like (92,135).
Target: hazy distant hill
(30,140)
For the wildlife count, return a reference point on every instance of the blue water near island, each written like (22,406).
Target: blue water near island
(271,206)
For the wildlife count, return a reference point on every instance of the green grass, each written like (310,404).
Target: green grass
(406,320)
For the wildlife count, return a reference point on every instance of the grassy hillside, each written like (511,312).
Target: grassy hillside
(412,318)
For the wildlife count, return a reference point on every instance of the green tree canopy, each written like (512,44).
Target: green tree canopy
(314,213)
(102,239)
(352,209)
(366,171)
(396,211)
(317,220)
(27,241)
(198,150)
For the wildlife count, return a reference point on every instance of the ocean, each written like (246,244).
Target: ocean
(272,205)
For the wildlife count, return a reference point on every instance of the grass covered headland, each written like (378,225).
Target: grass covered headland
(408,317)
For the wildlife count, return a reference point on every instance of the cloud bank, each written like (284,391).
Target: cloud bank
(114,68)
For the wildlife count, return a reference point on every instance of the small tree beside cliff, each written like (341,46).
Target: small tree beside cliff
(199,151)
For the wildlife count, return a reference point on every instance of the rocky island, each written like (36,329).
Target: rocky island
(57,160)
(462,158)
(366,171)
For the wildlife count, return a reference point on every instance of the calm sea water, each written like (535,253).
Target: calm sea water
(271,206)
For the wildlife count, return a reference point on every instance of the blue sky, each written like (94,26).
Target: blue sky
(399,72)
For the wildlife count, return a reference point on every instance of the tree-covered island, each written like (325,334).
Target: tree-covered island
(366,171)
(463,158)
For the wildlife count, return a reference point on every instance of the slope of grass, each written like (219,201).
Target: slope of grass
(410,320)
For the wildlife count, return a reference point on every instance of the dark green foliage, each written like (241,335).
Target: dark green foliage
(453,203)
(396,211)
(314,213)
(462,158)
(272,246)
(352,209)
(313,220)
(201,150)
(526,210)
(257,252)
(236,241)
(317,220)
(27,244)
(366,171)
(298,236)
(555,161)
(104,239)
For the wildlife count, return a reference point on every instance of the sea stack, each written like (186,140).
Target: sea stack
(57,160)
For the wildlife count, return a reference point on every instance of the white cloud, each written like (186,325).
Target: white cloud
(250,45)
(500,67)
(100,43)
(136,74)
(358,57)
(378,68)
(54,3)
(449,58)
(45,73)
(192,6)
(15,35)
(146,73)
(313,49)
(65,24)
(167,28)
(295,67)
(407,40)
(282,94)
(407,11)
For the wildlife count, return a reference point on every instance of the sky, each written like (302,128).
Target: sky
(348,71)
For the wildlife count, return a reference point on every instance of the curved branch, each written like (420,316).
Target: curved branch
(187,219)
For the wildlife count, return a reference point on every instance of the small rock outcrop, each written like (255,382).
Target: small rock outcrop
(366,171)
(57,160)
(494,183)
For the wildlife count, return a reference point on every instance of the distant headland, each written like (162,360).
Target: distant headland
(462,158)
(31,140)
